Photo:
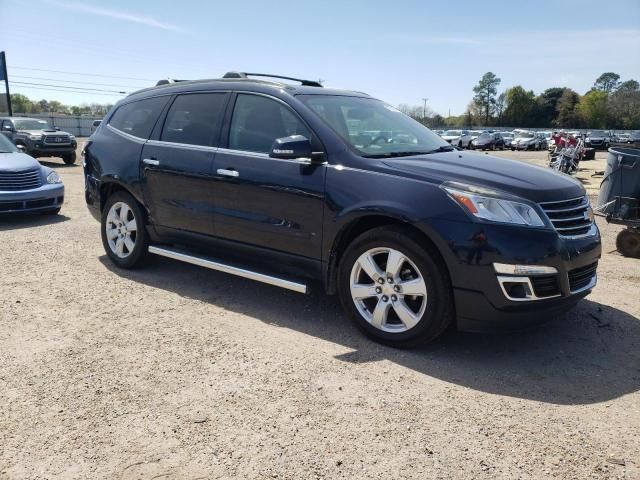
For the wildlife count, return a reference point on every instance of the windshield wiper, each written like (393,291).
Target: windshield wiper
(397,154)
(444,148)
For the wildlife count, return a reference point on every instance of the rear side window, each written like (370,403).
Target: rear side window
(138,118)
(194,119)
(257,121)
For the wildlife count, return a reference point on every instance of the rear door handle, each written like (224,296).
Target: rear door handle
(224,172)
(151,161)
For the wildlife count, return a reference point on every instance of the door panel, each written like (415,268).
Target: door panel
(277,204)
(177,189)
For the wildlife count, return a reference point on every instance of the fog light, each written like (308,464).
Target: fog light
(506,269)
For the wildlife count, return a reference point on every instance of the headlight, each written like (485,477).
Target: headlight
(72,137)
(53,177)
(35,137)
(487,205)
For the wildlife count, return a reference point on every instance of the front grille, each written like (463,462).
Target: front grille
(29,204)
(15,181)
(581,277)
(545,285)
(56,140)
(569,217)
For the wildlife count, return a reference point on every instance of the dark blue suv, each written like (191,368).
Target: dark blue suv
(302,185)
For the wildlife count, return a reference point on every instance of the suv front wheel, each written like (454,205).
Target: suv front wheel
(123,230)
(395,290)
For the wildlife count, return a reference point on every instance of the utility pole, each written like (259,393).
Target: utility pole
(424,108)
(5,77)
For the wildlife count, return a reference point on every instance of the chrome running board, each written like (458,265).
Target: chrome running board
(221,267)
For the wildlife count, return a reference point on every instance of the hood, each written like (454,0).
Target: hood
(43,132)
(12,162)
(533,183)
(523,139)
(450,137)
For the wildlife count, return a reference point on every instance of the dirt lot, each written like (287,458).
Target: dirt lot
(177,372)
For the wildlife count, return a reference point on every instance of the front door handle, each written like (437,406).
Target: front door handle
(228,173)
(151,161)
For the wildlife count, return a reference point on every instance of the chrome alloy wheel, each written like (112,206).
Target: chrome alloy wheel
(121,229)
(388,290)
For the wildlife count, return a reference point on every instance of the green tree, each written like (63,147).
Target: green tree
(593,109)
(623,106)
(566,108)
(485,94)
(629,86)
(21,104)
(607,82)
(501,105)
(546,106)
(520,104)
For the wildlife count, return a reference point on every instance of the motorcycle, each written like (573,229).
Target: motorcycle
(567,155)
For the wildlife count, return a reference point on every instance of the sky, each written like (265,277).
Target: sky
(400,51)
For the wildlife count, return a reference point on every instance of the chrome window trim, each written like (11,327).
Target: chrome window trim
(126,135)
(243,153)
(187,146)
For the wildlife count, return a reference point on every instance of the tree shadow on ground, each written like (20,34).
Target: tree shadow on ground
(589,355)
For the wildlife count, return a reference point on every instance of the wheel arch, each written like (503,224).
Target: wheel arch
(111,185)
(361,224)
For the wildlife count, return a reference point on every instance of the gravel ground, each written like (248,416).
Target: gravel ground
(177,372)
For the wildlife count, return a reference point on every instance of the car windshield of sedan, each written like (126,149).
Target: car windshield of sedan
(485,136)
(373,128)
(32,125)
(526,135)
(452,133)
(598,133)
(6,146)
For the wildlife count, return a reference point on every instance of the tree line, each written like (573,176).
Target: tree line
(22,104)
(609,104)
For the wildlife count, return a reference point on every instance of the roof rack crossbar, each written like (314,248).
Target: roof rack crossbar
(306,83)
(168,81)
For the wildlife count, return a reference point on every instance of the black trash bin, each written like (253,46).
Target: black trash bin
(620,188)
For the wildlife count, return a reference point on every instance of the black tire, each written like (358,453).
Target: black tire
(628,243)
(493,147)
(438,314)
(69,158)
(137,255)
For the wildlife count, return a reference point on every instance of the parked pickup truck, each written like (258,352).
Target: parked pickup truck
(37,138)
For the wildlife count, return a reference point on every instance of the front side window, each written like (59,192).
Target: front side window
(257,121)
(29,124)
(138,118)
(6,147)
(373,128)
(194,119)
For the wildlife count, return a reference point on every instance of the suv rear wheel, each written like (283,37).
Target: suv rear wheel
(394,289)
(123,230)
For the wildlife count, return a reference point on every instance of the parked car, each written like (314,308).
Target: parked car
(526,141)
(457,138)
(599,139)
(274,182)
(508,138)
(39,139)
(629,140)
(25,185)
(95,125)
(488,141)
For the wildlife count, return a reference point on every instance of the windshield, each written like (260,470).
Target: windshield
(452,133)
(32,125)
(525,135)
(374,128)
(485,136)
(598,133)
(6,146)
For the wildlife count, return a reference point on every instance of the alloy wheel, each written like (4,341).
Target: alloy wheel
(388,290)
(121,229)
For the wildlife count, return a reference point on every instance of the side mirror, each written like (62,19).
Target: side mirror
(57,129)
(293,148)
(21,148)
(7,128)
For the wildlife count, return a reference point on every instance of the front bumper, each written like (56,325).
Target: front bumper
(47,197)
(480,301)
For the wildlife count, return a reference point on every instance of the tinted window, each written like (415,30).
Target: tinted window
(138,118)
(257,121)
(194,119)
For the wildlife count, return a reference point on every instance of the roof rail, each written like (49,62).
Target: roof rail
(168,81)
(306,83)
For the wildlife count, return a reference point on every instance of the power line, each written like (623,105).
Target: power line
(83,74)
(68,91)
(74,81)
(70,88)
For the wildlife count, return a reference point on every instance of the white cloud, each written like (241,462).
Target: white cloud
(117,14)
